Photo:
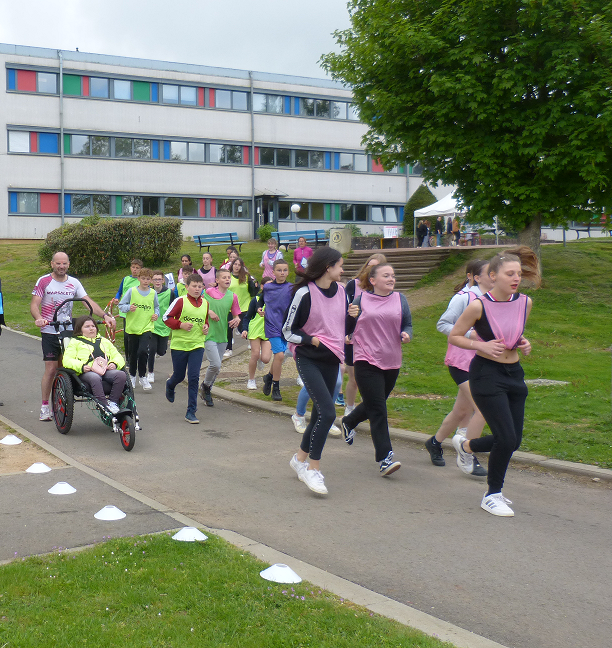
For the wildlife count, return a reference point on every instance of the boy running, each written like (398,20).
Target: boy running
(160,333)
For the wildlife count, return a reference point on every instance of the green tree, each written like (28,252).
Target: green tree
(422,197)
(510,100)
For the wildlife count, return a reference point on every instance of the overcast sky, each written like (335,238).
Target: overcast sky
(282,36)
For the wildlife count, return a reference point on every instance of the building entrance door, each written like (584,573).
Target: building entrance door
(266,212)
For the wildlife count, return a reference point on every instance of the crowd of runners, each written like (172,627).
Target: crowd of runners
(330,327)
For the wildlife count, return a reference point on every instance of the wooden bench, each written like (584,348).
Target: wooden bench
(227,238)
(312,236)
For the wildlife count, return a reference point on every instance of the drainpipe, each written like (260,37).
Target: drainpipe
(61,121)
(252,160)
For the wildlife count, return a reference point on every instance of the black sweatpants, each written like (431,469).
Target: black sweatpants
(375,385)
(499,391)
(320,382)
(139,353)
(158,345)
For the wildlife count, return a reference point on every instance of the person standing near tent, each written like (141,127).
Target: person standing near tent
(439,230)
(456,231)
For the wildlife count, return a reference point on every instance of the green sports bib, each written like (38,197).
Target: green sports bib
(159,328)
(189,340)
(139,321)
(218,330)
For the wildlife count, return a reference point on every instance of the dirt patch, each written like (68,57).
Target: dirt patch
(17,458)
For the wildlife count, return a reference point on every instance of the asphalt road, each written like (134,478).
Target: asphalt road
(539,580)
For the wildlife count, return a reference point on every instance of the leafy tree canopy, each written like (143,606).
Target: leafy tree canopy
(510,100)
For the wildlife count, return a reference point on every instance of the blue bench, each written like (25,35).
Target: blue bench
(312,236)
(228,238)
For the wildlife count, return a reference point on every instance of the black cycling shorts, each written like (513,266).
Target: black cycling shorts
(51,347)
(458,375)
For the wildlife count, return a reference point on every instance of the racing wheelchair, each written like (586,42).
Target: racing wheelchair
(67,388)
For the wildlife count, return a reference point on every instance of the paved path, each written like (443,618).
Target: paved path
(540,579)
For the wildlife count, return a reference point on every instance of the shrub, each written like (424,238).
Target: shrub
(422,197)
(97,244)
(265,232)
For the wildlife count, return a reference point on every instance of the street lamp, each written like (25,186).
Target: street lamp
(295,210)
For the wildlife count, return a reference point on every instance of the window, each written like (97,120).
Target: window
(416,169)
(377,214)
(240,101)
(266,156)
(189,96)
(19,142)
(47,82)
(100,146)
(80,145)
(142,149)
(178,151)
(81,204)
(233,154)
(131,205)
(215,152)
(196,152)
(322,107)
(98,88)
(361,213)
(259,102)
(361,162)
(101,204)
(243,209)
(170,94)
(268,103)
(346,212)
(283,157)
(27,203)
(346,161)
(391,214)
(223,99)
(317,211)
(122,89)
(307,107)
(150,205)
(353,112)
(338,109)
(123,147)
(172,206)
(224,209)
(284,210)
(190,207)
(275,104)
(301,159)
(353,162)
(317,160)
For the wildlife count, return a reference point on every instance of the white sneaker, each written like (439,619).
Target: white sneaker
(113,408)
(249,346)
(45,413)
(497,504)
(144,383)
(228,354)
(133,380)
(299,381)
(334,431)
(299,466)
(151,377)
(348,409)
(299,423)
(251,384)
(260,365)
(465,461)
(315,481)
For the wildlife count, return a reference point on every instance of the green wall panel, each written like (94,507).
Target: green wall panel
(67,148)
(72,84)
(118,206)
(141,90)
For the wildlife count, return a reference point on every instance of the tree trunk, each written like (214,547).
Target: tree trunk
(530,235)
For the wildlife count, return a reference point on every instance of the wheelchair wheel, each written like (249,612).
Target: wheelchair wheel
(62,399)
(127,432)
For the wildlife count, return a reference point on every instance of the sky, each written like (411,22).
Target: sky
(280,36)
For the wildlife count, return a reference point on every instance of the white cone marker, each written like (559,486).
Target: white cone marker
(109,512)
(62,488)
(10,439)
(280,573)
(38,468)
(189,534)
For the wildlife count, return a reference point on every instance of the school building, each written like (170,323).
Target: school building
(224,150)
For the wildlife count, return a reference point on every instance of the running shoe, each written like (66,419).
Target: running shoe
(497,504)
(45,413)
(299,381)
(276,395)
(347,433)
(340,400)
(465,461)
(190,417)
(299,423)
(477,469)
(334,431)
(144,383)
(348,409)
(388,465)
(113,408)
(249,346)
(133,379)
(228,354)
(298,466)
(315,481)
(267,384)
(205,395)
(169,393)
(435,452)
(251,384)
(260,365)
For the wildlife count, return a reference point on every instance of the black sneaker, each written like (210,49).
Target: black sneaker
(435,452)
(276,395)
(347,434)
(477,469)
(389,465)
(267,384)
(205,395)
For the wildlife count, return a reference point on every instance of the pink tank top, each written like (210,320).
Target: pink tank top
(506,319)
(327,319)
(377,337)
(456,357)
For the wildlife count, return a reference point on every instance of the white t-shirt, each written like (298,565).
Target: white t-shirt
(54,292)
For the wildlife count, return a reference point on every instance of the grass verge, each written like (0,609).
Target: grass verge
(154,591)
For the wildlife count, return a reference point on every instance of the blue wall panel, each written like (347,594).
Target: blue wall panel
(67,203)
(13,202)
(48,143)
(12,80)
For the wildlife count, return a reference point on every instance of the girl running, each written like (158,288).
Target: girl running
(268,258)
(465,416)
(253,326)
(244,287)
(185,266)
(208,272)
(496,377)
(380,324)
(315,327)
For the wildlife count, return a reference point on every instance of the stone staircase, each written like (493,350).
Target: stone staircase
(410,264)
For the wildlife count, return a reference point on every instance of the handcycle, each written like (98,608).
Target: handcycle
(67,388)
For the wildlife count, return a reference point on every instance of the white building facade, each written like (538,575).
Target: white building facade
(224,150)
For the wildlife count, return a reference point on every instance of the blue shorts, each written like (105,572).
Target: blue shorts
(279,344)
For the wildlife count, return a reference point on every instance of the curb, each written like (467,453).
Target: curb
(377,603)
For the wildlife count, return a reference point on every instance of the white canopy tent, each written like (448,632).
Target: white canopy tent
(446,206)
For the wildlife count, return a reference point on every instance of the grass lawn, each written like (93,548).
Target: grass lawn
(155,591)
(569,328)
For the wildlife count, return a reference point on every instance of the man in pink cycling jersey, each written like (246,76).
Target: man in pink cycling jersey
(50,290)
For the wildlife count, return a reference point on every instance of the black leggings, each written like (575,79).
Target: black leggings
(375,385)
(230,331)
(139,353)
(320,382)
(499,391)
(158,345)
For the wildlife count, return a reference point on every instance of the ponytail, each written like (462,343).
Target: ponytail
(530,264)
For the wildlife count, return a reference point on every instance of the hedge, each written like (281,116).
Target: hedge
(422,197)
(97,244)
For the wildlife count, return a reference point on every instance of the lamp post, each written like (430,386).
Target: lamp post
(295,210)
